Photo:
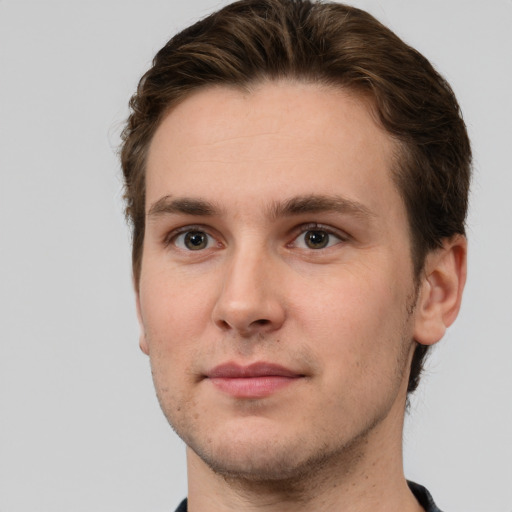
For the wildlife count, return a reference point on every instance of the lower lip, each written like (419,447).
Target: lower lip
(252,387)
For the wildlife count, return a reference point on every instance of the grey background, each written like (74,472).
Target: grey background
(80,428)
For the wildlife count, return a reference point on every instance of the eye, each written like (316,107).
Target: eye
(317,238)
(193,240)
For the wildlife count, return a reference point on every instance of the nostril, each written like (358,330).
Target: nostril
(224,325)
(262,321)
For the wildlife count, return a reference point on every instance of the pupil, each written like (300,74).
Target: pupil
(316,239)
(195,240)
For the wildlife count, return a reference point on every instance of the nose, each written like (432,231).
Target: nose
(250,300)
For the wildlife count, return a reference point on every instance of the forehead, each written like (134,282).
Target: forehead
(276,139)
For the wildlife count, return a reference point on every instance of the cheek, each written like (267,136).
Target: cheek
(171,315)
(356,317)
(352,298)
(173,308)
(175,311)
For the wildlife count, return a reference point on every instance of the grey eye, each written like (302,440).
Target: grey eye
(316,239)
(193,240)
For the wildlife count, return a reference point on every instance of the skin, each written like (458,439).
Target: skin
(256,176)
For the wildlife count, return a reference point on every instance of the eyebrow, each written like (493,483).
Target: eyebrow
(184,205)
(298,205)
(320,203)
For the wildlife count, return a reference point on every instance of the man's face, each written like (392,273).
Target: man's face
(276,289)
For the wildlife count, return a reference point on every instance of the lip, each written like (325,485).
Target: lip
(257,380)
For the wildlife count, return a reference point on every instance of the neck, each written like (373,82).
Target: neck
(366,476)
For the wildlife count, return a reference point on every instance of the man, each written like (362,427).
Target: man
(297,181)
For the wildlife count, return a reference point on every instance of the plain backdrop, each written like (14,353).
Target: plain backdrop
(80,427)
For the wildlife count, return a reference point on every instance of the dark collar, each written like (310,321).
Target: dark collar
(422,495)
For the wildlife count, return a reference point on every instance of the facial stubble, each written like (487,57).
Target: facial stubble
(277,468)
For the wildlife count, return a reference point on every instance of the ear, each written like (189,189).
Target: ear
(143,344)
(440,291)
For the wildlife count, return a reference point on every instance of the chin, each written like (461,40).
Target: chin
(255,463)
(261,465)
(261,456)
(252,451)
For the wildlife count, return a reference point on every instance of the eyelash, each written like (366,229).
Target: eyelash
(305,228)
(171,238)
(301,230)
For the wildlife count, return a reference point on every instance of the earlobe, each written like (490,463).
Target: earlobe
(440,291)
(143,344)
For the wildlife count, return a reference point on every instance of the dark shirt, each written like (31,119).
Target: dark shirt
(422,495)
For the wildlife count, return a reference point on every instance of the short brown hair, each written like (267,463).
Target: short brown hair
(329,43)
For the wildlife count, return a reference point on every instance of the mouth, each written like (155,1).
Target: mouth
(257,380)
